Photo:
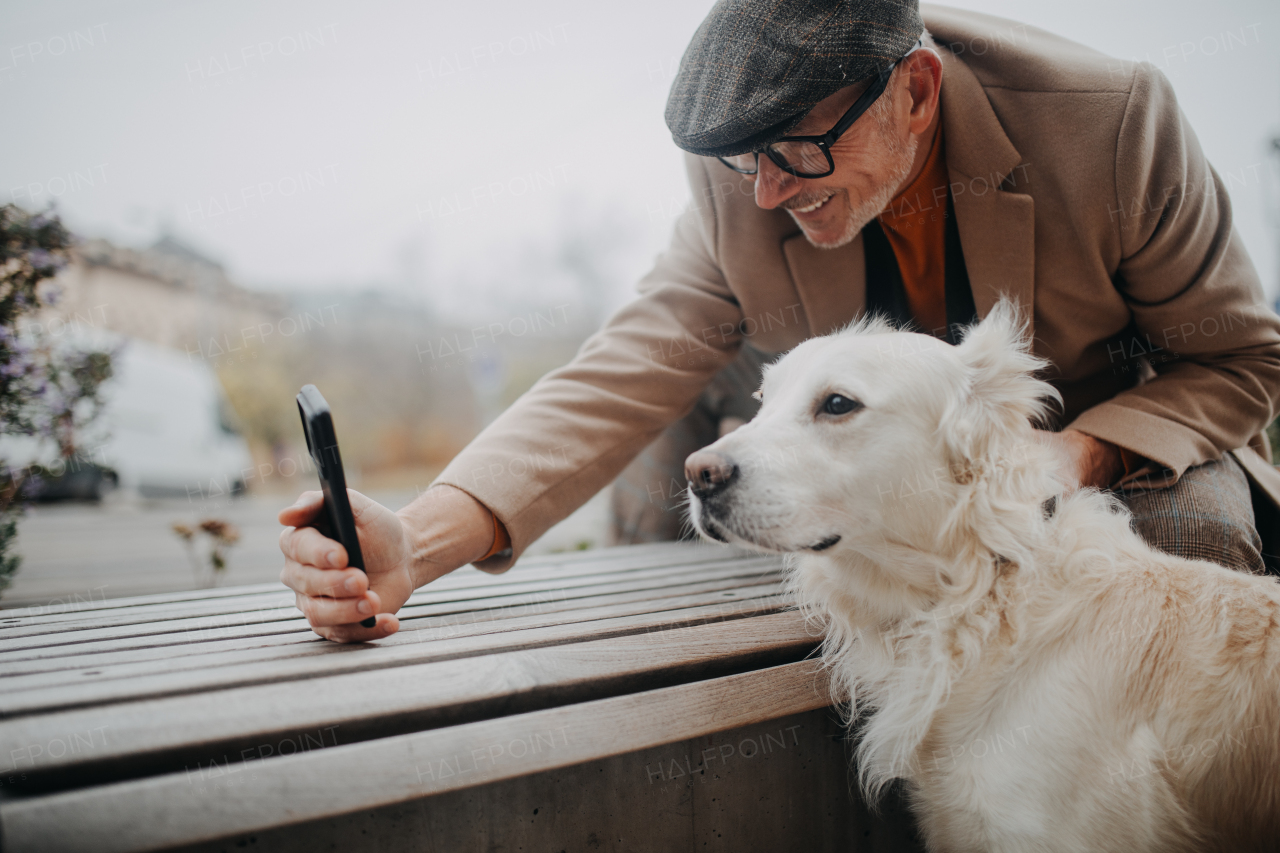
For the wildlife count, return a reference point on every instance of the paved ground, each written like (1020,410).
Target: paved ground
(125,546)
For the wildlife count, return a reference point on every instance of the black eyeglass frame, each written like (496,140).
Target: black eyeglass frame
(826,140)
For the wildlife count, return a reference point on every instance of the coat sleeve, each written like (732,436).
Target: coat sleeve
(1193,291)
(580,425)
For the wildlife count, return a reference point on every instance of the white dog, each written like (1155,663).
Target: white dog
(1041,679)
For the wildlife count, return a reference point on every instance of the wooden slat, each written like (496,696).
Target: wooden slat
(478,585)
(329,660)
(166,811)
(288,625)
(676,552)
(16,614)
(266,620)
(756,599)
(138,621)
(229,599)
(425,694)
(485,620)
(271,595)
(270,625)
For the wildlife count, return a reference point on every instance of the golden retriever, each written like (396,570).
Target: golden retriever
(1040,678)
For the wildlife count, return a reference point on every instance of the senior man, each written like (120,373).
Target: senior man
(844,159)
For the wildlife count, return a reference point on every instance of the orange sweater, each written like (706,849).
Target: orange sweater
(501,539)
(915,224)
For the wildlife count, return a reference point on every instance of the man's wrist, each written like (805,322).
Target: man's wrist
(447,529)
(1098,463)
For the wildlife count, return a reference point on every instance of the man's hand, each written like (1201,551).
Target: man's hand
(1086,461)
(444,529)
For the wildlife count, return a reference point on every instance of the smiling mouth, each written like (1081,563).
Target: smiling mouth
(812,207)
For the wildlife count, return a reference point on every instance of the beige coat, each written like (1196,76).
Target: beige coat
(1079,190)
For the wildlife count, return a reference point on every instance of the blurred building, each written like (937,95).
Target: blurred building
(169,295)
(166,427)
(408,388)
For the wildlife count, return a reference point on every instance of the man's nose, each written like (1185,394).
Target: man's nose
(708,472)
(773,186)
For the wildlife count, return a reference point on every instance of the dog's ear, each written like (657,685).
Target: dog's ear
(1001,392)
(1001,368)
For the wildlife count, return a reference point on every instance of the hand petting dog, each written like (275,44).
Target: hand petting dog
(1087,462)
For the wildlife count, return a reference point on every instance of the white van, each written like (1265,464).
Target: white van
(165,429)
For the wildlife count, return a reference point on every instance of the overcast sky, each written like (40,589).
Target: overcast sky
(411,144)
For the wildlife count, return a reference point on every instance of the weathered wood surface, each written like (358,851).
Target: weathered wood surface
(159,722)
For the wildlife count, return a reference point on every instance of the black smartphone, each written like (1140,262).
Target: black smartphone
(336,521)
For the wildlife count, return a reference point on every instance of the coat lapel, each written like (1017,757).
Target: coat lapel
(997,228)
(831,283)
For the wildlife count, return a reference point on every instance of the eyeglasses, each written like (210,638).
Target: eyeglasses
(810,156)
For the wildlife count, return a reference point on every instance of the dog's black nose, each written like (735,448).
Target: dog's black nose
(708,472)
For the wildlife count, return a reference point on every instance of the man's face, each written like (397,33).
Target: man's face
(873,160)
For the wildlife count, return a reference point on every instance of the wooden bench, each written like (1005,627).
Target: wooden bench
(652,698)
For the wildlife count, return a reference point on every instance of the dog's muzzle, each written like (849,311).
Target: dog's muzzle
(710,474)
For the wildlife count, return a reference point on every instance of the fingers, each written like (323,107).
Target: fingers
(329,612)
(334,598)
(387,625)
(304,511)
(333,583)
(371,517)
(359,503)
(311,547)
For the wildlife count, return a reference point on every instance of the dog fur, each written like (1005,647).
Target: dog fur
(1040,678)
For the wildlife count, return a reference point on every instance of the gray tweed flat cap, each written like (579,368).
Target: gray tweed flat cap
(756,67)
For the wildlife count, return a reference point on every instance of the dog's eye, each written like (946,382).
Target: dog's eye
(838,404)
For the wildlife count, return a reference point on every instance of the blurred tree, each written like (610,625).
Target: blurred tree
(399,412)
(262,395)
(48,389)
(408,389)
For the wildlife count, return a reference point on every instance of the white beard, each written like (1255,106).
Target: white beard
(901,156)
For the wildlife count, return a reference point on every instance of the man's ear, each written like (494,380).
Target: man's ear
(924,82)
(1001,393)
